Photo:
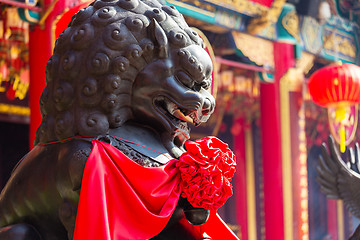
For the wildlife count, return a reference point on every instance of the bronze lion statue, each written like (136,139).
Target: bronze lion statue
(130,73)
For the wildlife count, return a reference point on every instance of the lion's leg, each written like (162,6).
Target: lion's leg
(19,232)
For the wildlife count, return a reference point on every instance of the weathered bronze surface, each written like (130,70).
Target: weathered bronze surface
(123,68)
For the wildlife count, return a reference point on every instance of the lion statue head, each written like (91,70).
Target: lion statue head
(126,60)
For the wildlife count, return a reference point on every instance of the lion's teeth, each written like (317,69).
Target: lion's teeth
(178,114)
(189,119)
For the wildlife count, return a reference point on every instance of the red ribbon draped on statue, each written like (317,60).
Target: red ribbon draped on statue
(120,199)
(123,200)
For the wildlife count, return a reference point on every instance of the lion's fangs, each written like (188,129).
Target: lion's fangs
(176,112)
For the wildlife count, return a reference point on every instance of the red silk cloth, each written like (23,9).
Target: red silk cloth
(216,229)
(120,199)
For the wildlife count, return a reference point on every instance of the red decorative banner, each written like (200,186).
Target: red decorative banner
(14,67)
(266,3)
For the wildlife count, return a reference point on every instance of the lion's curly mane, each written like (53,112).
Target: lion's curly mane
(96,60)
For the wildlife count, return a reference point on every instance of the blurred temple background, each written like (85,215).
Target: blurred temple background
(263,52)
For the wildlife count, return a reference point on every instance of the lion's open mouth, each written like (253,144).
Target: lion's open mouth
(175,113)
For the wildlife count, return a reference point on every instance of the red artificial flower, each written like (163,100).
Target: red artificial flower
(206,170)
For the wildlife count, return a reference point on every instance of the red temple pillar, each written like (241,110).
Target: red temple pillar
(41,38)
(332,219)
(271,143)
(240,192)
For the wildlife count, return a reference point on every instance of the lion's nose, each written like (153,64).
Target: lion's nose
(208,107)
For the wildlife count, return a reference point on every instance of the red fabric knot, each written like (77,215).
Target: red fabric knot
(206,170)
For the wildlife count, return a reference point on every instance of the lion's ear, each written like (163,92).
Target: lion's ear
(160,38)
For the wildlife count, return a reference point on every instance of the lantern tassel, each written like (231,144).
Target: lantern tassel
(340,117)
(342,138)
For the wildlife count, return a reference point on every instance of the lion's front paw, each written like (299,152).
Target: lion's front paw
(196,216)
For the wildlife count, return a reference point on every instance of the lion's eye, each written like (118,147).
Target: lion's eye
(197,87)
(185,79)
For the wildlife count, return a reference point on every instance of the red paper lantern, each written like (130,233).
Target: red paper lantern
(335,84)
(337,87)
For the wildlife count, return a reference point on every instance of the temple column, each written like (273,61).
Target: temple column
(271,143)
(240,178)
(41,39)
